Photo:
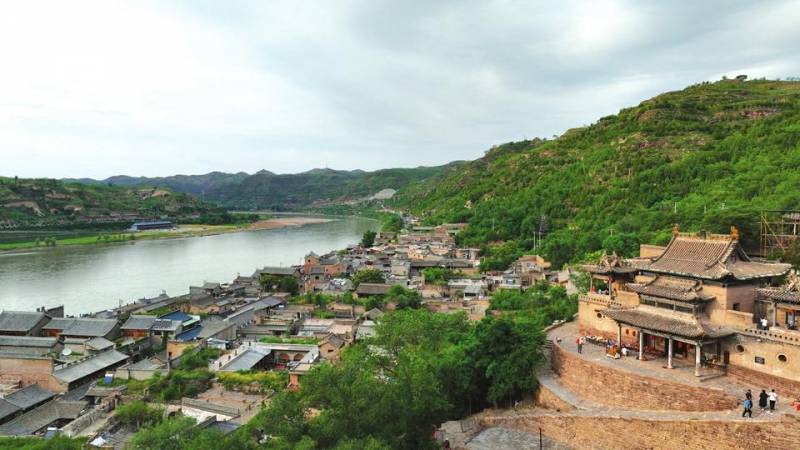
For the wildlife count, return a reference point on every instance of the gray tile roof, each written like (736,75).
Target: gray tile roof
(372,289)
(136,322)
(89,366)
(275,271)
(42,416)
(99,343)
(19,321)
(82,326)
(28,341)
(29,396)
(166,325)
(678,326)
(7,409)
(246,361)
(710,257)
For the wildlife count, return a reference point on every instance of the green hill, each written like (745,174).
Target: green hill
(267,190)
(707,157)
(47,203)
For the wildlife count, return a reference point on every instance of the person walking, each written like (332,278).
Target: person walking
(762,399)
(748,408)
(579,343)
(773,398)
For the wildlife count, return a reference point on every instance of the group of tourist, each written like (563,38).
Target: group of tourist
(763,400)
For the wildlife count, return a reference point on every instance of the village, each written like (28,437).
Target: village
(65,375)
(698,318)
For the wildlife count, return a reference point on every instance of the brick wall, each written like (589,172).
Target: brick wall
(623,433)
(547,399)
(624,389)
(787,390)
(30,371)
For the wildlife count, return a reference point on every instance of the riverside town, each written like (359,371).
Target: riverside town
(400,225)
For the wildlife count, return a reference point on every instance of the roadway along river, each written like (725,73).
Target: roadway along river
(93,278)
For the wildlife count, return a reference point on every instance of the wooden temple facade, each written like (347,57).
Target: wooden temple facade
(700,298)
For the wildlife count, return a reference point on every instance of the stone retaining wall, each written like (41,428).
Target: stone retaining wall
(618,433)
(549,400)
(612,387)
(787,390)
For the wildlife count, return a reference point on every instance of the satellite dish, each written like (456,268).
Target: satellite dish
(66,352)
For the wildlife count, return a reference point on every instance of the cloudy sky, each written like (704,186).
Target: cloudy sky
(157,88)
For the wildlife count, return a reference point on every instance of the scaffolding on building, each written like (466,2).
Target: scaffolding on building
(779,231)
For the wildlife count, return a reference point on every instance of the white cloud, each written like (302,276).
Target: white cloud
(97,88)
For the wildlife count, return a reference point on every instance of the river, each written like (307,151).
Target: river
(92,278)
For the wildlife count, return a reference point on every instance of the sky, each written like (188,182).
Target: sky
(155,88)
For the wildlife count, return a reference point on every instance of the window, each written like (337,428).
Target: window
(736,307)
(740,348)
(782,358)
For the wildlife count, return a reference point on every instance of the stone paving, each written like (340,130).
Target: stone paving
(507,439)
(654,368)
(498,438)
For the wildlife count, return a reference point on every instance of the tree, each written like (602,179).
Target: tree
(404,298)
(368,276)
(368,239)
(509,352)
(171,434)
(138,414)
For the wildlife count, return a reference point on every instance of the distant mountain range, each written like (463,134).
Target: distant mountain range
(47,203)
(267,190)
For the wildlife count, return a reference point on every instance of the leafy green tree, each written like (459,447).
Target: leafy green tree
(509,352)
(138,414)
(404,298)
(368,276)
(171,434)
(368,239)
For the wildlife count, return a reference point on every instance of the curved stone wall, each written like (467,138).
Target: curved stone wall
(612,387)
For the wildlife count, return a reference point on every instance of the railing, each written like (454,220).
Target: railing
(780,334)
(598,299)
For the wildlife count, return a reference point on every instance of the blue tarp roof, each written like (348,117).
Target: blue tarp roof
(177,315)
(190,334)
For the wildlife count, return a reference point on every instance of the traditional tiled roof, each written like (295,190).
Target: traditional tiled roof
(7,409)
(40,417)
(372,289)
(334,340)
(89,366)
(672,288)
(691,328)
(789,292)
(28,341)
(610,264)
(19,321)
(275,271)
(139,323)
(710,257)
(166,325)
(29,396)
(99,343)
(82,326)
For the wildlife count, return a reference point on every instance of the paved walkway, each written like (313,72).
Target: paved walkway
(655,368)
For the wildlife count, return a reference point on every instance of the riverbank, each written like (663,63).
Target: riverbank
(283,222)
(181,231)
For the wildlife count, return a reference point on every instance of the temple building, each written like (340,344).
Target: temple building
(700,299)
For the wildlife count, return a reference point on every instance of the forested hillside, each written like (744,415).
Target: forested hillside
(267,190)
(26,203)
(707,157)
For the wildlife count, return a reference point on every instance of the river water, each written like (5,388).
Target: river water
(92,278)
